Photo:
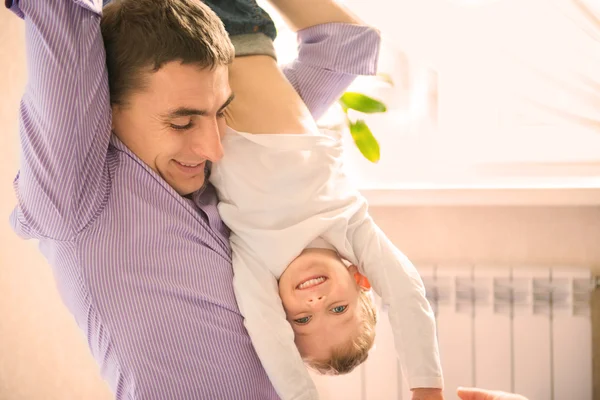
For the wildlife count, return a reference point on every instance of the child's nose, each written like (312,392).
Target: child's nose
(315,300)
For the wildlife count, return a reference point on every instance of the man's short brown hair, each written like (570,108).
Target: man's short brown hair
(142,35)
(343,360)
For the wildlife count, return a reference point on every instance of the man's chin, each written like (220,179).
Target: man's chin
(188,189)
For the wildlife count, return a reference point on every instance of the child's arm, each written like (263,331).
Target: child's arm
(396,280)
(258,299)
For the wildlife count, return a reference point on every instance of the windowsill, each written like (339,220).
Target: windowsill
(473,195)
(446,175)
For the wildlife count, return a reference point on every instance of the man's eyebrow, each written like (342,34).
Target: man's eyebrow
(184,112)
(187,112)
(227,102)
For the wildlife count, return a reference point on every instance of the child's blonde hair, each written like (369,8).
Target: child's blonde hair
(345,358)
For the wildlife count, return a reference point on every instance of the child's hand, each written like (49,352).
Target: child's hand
(427,394)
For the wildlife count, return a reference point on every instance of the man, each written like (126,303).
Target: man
(127,221)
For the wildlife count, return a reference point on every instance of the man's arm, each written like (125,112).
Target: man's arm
(64,118)
(485,394)
(302,14)
(334,48)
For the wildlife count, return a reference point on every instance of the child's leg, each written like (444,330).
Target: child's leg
(265,101)
(250,28)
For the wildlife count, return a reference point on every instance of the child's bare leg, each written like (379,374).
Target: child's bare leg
(265,102)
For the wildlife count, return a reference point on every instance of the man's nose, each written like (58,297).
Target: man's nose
(207,143)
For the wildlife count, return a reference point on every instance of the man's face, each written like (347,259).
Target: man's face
(175,123)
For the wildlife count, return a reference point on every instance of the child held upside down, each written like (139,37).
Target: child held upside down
(305,250)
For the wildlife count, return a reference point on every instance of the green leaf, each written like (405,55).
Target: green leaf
(387,78)
(362,103)
(365,141)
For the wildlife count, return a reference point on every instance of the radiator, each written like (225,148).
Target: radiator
(525,330)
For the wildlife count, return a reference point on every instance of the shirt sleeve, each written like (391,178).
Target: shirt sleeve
(397,281)
(272,336)
(330,57)
(65,119)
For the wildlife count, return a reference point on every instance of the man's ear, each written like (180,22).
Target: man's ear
(360,279)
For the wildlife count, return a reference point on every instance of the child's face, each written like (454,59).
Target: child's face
(320,296)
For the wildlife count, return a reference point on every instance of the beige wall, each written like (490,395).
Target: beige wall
(536,236)
(43,355)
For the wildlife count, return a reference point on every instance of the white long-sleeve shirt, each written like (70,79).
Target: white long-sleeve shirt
(278,194)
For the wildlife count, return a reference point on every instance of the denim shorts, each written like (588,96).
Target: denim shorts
(242,17)
(245,21)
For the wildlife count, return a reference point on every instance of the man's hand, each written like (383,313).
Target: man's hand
(427,394)
(483,394)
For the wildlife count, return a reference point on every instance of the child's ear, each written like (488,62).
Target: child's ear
(360,279)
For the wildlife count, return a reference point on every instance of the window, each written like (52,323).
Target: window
(501,93)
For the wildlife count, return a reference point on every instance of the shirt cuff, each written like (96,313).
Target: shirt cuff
(13,5)
(434,382)
(340,47)
(92,5)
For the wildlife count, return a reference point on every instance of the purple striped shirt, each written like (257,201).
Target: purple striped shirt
(145,272)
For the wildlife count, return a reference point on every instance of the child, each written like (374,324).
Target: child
(296,220)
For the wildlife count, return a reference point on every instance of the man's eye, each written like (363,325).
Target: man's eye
(182,127)
(338,309)
(302,321)
(221,114)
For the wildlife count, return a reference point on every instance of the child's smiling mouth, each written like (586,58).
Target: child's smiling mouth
(311,282)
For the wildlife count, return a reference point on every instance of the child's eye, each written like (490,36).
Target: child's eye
(221,114)
(302,321)
(338,309)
